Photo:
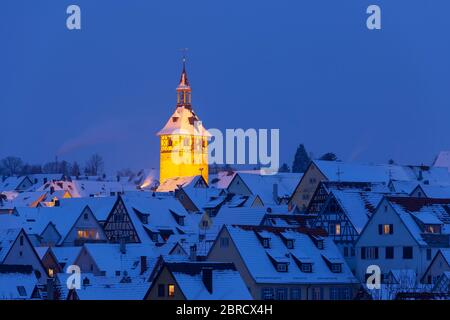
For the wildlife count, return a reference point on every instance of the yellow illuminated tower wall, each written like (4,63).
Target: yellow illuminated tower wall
(183,140)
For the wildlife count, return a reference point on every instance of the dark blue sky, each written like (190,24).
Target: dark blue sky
(310,68)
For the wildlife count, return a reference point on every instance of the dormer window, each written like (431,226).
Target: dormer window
(282,267)
(290,244)
(306,267)
(431,228)
(178,218)
(336,268)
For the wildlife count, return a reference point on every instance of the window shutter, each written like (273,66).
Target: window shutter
(380,229)
(363,253)
(391,229)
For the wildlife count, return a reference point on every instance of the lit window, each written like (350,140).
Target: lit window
(385,229)
(50,272)
(171,290)
(338,229)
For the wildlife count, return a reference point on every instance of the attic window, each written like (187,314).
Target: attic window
(282,267)
(290,244)
(336,268)
(265,243)
(86,216)
(319,244)
(318,241)
(429,228)
(174,119)
(22,291)
(306,267)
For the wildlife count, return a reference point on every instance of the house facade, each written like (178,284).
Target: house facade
(403,233)
(285,263)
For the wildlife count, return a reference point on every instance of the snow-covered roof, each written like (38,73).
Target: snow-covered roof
(222,179)
(226,281)
(262,269)
(204,197)
(109,258)
(436,191)
(446,254)
(177,182)
(17,282)
(162,212)
(7,238)
(100,188)
(12,183)
(106,287)
(65,255)
(35,220)
(416,211)
(443,160)
(347,171)
(403,186)
(184,122)
(403,276)
(100,206)
(29,198)
(263,185)
(240,215)
(357,205)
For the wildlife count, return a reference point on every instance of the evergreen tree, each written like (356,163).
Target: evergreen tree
(301,160)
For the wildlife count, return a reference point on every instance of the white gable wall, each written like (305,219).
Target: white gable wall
(399,239)
(23,253)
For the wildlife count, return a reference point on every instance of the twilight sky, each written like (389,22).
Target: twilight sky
(310,68)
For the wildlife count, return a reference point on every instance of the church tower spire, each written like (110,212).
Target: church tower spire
(184,89)
(183,140)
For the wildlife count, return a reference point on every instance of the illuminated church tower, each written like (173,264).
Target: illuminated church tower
(184,140)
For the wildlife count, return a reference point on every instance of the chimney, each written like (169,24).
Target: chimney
(50,289)
(207,278)
(143,264)
(123,248)
(193,253)
(275,192)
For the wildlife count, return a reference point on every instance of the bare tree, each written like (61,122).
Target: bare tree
(95,165)
(12,165)
(127,172)
(75,169)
